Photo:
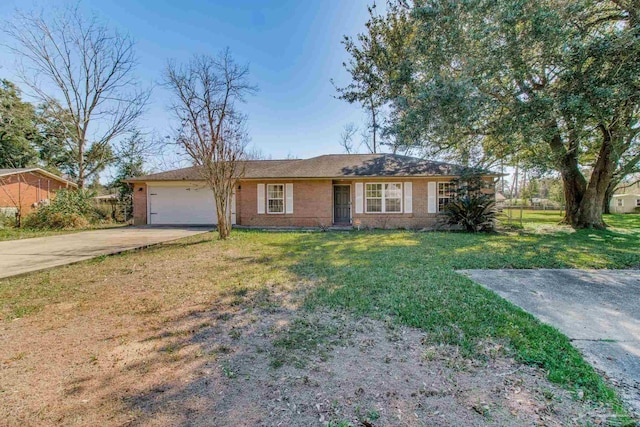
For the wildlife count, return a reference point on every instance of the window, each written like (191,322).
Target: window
(393,198)
(445,194)
(275,198)
(638,203)
(383,198)
(620,203)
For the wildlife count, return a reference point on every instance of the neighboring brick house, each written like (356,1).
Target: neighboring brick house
(24,188)
(370,190)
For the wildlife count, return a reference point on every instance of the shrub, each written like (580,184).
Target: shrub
(45,218)
(470,207)
(472,213)
(69,209)
(7,218)
(104,212)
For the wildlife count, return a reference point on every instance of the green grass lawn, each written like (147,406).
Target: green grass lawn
(406,276)
(411,277)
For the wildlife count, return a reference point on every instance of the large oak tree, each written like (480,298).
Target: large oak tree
(555,82)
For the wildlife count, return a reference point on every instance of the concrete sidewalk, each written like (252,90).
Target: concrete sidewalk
(598,309)
(27,255)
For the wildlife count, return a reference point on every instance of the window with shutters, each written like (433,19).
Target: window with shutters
(383,198)
(275,198)
(445,194)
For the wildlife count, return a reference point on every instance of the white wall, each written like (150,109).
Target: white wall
(629,203)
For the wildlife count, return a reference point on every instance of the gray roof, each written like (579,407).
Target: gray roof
(328,166)
(15,171)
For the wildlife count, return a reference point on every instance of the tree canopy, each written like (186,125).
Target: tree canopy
(554,83)
(18,128)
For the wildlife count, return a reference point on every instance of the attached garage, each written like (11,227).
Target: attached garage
(190,204)
(367,190)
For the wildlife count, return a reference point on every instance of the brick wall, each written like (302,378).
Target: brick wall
(27,189)
(140,204)
(312,205)
(419,218)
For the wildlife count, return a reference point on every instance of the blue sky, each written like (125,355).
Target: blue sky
(292,47)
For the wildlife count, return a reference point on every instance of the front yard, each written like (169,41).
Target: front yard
(12,233)
(356,328)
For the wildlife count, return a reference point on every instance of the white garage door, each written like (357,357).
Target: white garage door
(190,204)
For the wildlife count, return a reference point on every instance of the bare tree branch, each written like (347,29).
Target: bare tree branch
(90,69)
(346,138)
(212,130)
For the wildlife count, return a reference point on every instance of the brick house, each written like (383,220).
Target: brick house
(23,188)
(371,190)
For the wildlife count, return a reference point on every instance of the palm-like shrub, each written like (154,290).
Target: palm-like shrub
(473,213)
(472,204)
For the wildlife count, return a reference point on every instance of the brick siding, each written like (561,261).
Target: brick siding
(419,218)
(140,204)
(313,204)
(27,189)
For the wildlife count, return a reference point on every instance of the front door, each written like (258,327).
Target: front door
(342,204)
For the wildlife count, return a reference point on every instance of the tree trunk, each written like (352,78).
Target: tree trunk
(374,125)
(223,226)
(589,213)
(223,210)
(81,171)
(574,186)
(608,196)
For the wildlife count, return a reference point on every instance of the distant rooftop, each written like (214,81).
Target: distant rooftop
(16,171)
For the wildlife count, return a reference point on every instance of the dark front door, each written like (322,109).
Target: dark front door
(341,204)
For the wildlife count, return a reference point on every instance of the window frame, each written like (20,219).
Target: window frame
(449,196)
(383,198)
(267,199)
(620,203)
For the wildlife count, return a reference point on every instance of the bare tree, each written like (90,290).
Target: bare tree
(256,153)
(212,130)
(83,72)
(368,137)
(346,137)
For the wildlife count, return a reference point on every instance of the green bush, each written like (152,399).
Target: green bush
(472,213)
(45,218)
(7,219)
(69,209)
(470,206)
(104,212)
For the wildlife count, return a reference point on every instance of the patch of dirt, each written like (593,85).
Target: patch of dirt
(203,334)
(261,367)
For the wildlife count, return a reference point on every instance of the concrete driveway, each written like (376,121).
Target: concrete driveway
(598,309)
(27,255)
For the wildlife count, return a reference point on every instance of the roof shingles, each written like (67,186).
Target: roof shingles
(327,166)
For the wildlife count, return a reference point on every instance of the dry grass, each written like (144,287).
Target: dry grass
(199,332)
(79,339)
